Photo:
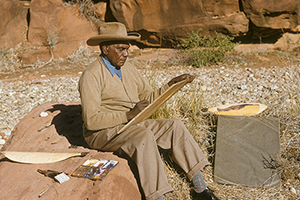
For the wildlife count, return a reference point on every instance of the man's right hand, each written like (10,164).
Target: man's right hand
(141,105)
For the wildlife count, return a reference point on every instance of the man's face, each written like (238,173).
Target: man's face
(116,54)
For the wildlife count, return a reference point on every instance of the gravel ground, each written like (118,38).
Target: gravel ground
(276,87)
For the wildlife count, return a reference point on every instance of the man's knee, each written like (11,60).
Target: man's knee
(142,137)
(146,136)
(139,142)
(179,125)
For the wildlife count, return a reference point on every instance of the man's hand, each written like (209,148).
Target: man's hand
(177,79)
(141,105)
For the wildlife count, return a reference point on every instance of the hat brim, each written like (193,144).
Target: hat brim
(96,40)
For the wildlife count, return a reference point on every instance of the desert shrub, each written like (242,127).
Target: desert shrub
(207,50)
(282,54)
(86,7)
(83,56)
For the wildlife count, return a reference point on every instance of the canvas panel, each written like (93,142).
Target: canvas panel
(246,149)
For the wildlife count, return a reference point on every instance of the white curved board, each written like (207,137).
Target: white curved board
(243,109)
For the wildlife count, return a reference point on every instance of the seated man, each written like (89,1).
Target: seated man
(107,81)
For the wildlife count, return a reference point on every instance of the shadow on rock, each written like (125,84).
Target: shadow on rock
(69,123)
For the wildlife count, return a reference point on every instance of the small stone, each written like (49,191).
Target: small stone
(2,141)
(243,87)
(36,81)
(31,78)
(273,87)
(7,132)
(293,190)
(43,114)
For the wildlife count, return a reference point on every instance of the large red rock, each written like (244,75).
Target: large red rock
(274,14)
(57,27)
(220,8)
(60,131)
(165,22)
(13,25)
(100,10)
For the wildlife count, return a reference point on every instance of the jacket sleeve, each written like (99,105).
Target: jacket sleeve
(90,95)
(146,92)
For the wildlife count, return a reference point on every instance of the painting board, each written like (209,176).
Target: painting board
(151,108)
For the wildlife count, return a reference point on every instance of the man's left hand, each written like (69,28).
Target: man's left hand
(177,79)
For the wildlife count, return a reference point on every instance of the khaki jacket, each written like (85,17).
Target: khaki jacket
(98,89)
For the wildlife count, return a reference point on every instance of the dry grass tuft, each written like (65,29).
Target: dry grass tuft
(9,59)
(83,56)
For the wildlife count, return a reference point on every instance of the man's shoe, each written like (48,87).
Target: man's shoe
(207,194)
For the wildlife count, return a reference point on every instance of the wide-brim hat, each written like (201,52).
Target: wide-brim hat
(112,31)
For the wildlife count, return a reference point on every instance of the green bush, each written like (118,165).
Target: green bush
(207,50)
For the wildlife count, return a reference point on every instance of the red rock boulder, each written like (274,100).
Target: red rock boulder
(165,22)
(274,14)
(13,26)
(55,30)
(60,131)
